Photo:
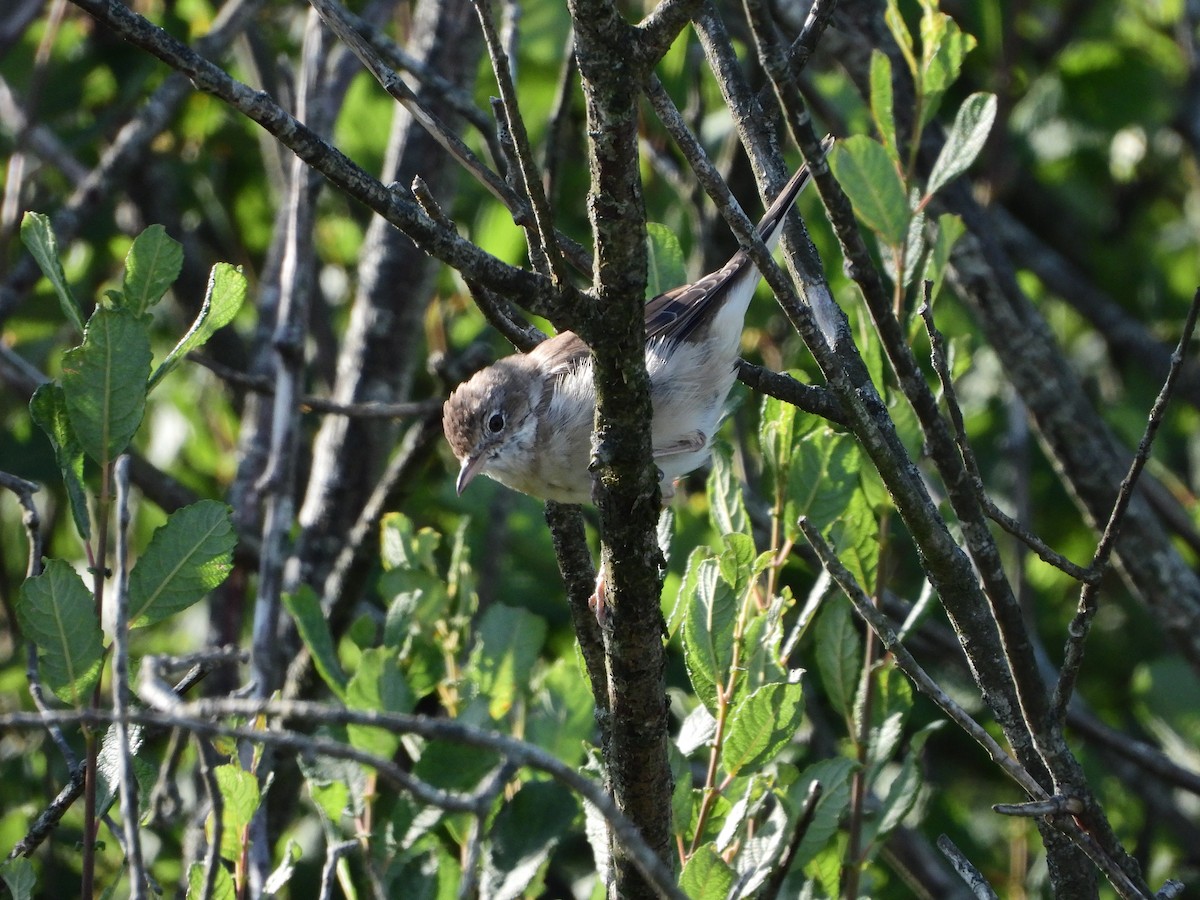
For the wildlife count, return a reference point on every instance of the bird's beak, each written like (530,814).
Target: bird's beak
(471,466)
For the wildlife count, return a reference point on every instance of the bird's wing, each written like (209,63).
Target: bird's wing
(560,354)
(674,315)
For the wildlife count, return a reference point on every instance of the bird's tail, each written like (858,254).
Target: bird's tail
(772,222)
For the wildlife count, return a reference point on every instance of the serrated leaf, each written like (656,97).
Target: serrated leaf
(104,382)
(761,725)
(855,539)
(57,613)
(681,786)
(48,408)
(687,588)
(223,887)
(708,633)
(833,775)
(152,264)
(38,237)
(522,835)
(304,606)
(972,124)
(188,556)
(777,437)
(559,717)
(377,684)
(869,178)
(726,505)
(706,876)
(223,298)
(507,644)
(882,100)
(823,477)
(839,654)
(664,260)
(737,560)
(239,799)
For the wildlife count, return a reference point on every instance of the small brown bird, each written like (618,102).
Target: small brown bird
(526,421)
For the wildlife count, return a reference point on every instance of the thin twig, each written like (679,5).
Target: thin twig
(120,687)
(1051,806)
(487,793)
(1080,627)
(966,869)
(771,889)
(883,629)
(333,854)
(203,717)
(261,384)
(540,233)
(941,365)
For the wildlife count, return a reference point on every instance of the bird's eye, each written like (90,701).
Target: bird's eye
(495,423)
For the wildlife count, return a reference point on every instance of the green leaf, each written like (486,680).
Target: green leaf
(681,790)
(900,33)
(188,556)
(736,562)
(823,478)
(839,654)
(283,873)
(971,127)
(881,102)
(687,589)
(761,725)
(104,380)
(507,644)
(304,606)
(706,876)
(833,775)
(18,877)
(949,229)
(38,237)
(522,835)
(777,437)
(223,887)
(454,766)
(664,260)
(708,633)
(560,712)
(855,539)
(377,684)
(56,611)
(404,547)
(239,799)
(725,503)
(151,266)
(869,178)
(944,47)
(224,297)
(48,408)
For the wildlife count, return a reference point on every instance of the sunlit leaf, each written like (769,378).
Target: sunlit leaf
(224,297)
(104,383)
(38,237)
(188,556)
(969,133)
(869,178)
(151,266)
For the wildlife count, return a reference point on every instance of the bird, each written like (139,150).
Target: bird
(526,420)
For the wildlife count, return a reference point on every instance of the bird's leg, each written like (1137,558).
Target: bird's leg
(596,602)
